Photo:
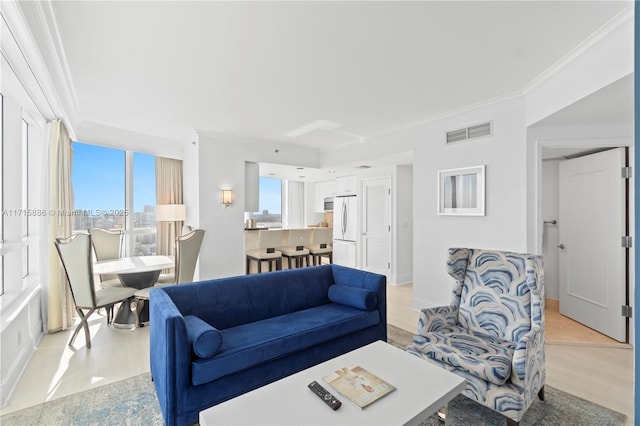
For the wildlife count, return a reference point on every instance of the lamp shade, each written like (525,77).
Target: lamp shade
(170,212)
(227,197)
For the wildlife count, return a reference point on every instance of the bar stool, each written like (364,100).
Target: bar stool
(267,241)
(296,250)
(321,246)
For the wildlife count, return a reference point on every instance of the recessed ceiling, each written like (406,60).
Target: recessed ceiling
(263,69)
(612,104)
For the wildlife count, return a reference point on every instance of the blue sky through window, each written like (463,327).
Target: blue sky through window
(270,195)
(98,177)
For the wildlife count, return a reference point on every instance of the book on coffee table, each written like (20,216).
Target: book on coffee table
(359,385)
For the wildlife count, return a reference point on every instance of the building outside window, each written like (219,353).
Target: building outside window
(269,202)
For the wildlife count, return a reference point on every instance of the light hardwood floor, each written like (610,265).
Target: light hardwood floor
(601,374)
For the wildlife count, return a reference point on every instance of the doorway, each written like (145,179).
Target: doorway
(376,225)
(585,228)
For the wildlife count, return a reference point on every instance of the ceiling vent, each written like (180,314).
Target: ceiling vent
(364,166)
(472,132)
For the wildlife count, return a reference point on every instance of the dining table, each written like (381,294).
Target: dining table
(137,272)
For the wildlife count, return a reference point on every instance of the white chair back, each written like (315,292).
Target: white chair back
(107,244)
(75,254)
(187,251)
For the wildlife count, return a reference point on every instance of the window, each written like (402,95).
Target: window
(144,204)
(25,197)
(115,189)
(23,217)
(98,179)
(269,203)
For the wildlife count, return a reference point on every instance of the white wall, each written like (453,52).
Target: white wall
(504,225)
(550,238)
(96,134)
(402,251)
(219,164)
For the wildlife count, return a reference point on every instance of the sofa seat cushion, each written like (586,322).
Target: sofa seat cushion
(261,341)
(483,356)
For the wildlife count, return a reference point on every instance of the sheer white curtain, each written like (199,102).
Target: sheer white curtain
(168,191)
(294,204)
(59,315)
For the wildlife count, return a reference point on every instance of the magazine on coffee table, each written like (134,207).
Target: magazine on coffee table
(359,385)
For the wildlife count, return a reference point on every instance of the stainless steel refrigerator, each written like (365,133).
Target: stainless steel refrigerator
(345,225)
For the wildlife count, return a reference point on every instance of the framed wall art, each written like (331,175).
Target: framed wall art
(461,191)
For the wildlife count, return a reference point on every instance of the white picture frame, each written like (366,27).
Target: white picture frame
(461,192)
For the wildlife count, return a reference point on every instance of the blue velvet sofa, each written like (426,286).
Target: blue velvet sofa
(213,340)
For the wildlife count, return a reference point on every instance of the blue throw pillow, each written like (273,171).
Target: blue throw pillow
(205,339)
(359,298)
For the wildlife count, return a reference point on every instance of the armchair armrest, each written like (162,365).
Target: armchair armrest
(528,358)
(431,319)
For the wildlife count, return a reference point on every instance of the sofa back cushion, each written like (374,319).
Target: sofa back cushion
(230,302)
(495,297)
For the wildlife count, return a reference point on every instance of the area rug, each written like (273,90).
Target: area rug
(133,402)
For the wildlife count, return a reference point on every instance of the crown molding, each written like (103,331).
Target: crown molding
(55,48)
(24,56)
(622,18)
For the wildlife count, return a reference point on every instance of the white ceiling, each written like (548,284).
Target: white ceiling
(320,74)
(266,69)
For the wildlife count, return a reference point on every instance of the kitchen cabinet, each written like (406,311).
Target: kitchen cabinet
(323,190)
(347,185)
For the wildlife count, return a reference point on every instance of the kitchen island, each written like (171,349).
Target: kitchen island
(251,240)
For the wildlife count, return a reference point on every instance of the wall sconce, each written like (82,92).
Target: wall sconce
(227,197)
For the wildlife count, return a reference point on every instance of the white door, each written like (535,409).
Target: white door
(591,224)
(376,226)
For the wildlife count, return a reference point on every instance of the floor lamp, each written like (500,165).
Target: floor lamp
(171,213)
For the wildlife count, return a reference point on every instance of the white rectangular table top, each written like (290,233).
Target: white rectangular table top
(422,388)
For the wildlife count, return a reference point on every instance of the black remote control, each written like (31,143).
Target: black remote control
(325,395)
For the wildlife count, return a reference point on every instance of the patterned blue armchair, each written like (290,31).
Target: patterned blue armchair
(492,334)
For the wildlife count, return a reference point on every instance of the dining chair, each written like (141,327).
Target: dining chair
(321,245)
(107,245)
(186,258)
(187,249)
(75,255)
(268,240)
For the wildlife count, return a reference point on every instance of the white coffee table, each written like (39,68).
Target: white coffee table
(422,389)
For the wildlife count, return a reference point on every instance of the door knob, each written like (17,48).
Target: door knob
(561,246)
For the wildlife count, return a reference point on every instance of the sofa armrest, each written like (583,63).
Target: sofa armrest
(528,358)
(377,283)
(170,353)
(431,319)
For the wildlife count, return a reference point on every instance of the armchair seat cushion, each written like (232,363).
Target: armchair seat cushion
(483,356)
